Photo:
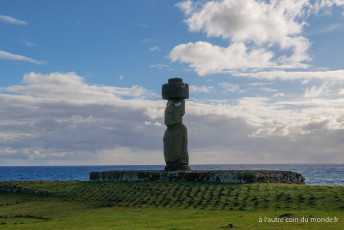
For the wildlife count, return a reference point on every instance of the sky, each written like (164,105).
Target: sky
(80,81)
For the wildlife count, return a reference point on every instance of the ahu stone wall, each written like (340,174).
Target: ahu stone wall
(222,176)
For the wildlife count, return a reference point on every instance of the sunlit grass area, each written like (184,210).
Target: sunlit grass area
(178,205)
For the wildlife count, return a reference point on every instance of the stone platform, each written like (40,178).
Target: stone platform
(221,176)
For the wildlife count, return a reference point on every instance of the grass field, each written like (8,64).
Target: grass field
(159,205)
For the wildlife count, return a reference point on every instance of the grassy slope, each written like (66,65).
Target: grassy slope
(157,205)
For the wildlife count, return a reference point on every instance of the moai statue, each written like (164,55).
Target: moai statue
(176,136)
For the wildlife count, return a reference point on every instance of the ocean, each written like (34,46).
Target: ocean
(315,174)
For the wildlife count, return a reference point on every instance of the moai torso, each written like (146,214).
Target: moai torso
(175,138)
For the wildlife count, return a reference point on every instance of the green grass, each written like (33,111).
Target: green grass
(160,205)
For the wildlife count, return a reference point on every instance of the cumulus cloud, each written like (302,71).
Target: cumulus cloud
(206,58)
(316,91)
(56,86)
(15,57)
(186,6)
(326,5)
(263,36)
(252,27)
(201,89)
(267,89)
(255,21)
(11,20)
(58,118)
(261,130)
(229,87)
(294,75)
(215,139)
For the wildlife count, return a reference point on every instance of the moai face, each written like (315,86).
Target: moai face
(174,112)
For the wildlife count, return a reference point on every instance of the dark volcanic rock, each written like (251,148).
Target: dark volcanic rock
(175,89)
(223,176)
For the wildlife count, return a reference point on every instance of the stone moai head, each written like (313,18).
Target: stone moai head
(175,91)
(174,112)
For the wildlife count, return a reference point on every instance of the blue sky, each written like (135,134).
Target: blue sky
(100,41)
(80,81)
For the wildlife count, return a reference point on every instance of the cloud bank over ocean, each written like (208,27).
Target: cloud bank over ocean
(60,119)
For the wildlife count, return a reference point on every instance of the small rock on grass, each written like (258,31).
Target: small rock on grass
(286,215)
(228,226)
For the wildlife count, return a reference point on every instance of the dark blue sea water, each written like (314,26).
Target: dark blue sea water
(315,174)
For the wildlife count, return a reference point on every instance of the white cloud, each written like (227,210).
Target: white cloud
(62,86)
(263,36)
(267,89)
(160,66)
(206,58)
(259,83)
(229,87)
(154,48)
(328,28)
(28,43)
(128,156)
(279,95)
(186,6)
(60,119)
(54,117)
(249,20)
(153,123)
(294,75)
(252,27)
(201,89)
(15,57)
(265,129)
(316,91)
(326,5)
(11,20)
